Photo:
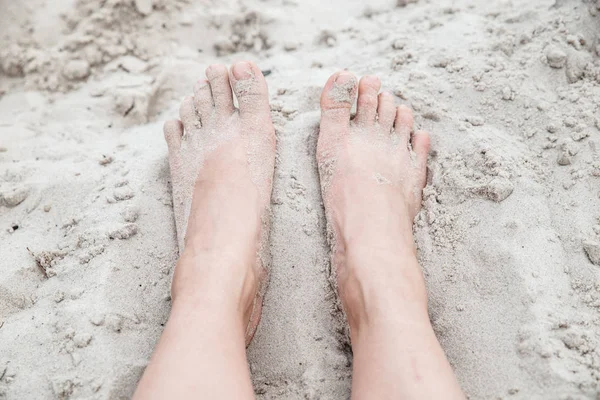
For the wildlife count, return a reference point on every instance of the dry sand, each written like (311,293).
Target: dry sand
(509,236)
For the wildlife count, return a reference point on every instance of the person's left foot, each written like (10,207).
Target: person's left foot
(373,170)
(222,161)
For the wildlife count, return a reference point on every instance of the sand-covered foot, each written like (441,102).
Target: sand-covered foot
(222,160)
(373,170)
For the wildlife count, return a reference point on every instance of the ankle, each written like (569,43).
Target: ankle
(207,279)
(376,287)
(362,241)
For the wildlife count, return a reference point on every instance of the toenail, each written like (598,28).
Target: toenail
(344,77)
(242,70)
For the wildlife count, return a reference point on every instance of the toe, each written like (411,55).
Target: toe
(421,142)
(203,99)
(250,88)
(386,111)
(339,94)
(218,75)
(336,101)
(173,130)
(403,124)
(187,114)
(366,108)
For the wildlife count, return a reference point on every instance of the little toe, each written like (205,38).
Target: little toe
(203,100)
(366,108)
(250,88)
(187,114)
(386,111)
(403,125)
(173,130)
(218,75)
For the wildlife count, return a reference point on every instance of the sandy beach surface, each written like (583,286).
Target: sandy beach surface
(508,238)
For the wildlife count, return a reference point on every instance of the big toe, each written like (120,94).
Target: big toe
(339,94)
(250,88)
(337,99)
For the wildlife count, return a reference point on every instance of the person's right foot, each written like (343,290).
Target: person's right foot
(222,160)
(373,170)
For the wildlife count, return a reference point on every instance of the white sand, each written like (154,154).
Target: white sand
(509,89)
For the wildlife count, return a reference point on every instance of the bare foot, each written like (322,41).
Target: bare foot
(373,170)
(222,161)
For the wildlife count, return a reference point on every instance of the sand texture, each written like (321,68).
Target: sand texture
(508,238)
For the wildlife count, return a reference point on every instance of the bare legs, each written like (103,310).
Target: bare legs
(201,354)
(372,175)
(222,162)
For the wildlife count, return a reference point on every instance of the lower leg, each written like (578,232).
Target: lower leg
(202,349)
(396,353)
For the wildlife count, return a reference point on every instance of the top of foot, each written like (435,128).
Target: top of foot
(372,168)
(216,144)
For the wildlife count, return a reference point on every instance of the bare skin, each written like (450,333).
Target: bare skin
(222,159)
(373,170)
(222,162)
